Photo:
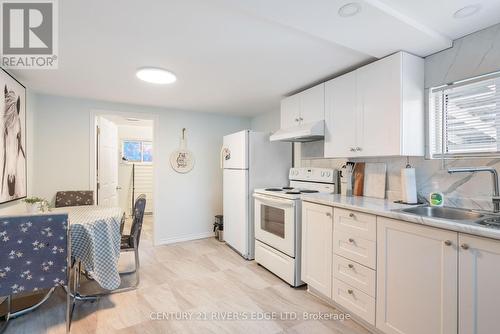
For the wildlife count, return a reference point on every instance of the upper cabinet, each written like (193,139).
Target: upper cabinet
(305,107)
(377,110)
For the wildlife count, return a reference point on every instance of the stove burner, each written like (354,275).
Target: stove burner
(293,192)
(272,189)
(287,188)
(309,191)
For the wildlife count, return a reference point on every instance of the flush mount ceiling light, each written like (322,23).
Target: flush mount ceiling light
(467,11)
(132,119)
(156,75)
(349,9)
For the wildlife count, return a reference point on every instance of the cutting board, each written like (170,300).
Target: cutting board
(374,181)
(359,177)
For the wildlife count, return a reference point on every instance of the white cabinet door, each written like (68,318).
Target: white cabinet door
(340,116)
(317,252)
(312,104)
(379,89)
(479,288)
(290,111)
(416,279)
(107,178)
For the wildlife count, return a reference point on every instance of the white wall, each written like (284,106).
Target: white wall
(144,133)
(266,122)
(186,203)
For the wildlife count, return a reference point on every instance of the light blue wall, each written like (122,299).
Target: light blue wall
(186,203)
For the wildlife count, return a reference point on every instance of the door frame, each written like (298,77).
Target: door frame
(94,114)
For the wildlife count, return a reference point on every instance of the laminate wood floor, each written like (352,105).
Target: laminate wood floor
(203,279)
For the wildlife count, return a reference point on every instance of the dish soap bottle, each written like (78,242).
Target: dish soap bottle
(436,198)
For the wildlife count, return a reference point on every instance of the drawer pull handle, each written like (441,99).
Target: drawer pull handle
(352,215)
(351,240)
(328,214)
(447,243)
(350,265)
(464,246)
(350,292)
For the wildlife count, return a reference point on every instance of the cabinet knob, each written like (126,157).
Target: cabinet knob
(351,292)
(328,214)
(352,215)
(296,120)
(464,246)
(301,119)
(447,242)
(351,240)
(352,149)
(350,265)
(358,149)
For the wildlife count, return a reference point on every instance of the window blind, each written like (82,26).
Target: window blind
(465,118)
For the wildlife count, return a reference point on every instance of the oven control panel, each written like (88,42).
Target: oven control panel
(312,174)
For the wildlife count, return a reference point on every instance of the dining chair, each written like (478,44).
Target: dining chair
(74,198)
(35,255)
(130,243)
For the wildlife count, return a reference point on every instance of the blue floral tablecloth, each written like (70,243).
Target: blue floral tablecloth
(95,241)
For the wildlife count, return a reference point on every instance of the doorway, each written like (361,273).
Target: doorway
(124,162)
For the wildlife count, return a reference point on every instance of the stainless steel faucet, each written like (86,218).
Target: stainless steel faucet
(494,178)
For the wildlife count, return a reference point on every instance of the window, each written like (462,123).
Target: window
(137,151)
(464,118)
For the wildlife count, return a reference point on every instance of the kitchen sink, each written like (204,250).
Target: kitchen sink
(493,222)
(445,213)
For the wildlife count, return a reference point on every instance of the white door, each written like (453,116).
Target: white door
(235,210)
(479,288)
(312,104)
(107,161)
(234,153)
(290,111)
(317,247)
(340,116)
(416,279)
(379,105)
(275,223)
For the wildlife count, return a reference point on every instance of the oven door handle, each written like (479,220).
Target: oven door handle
(274,200)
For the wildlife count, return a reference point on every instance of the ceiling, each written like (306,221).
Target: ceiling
(236,56)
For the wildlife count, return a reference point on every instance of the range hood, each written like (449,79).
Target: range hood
(301,133)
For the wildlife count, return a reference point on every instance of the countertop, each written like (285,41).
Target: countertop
(385,208)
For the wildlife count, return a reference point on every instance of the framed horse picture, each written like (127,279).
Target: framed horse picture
(13,159)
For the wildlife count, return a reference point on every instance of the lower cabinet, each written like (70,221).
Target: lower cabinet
(479,285)
(317,244)
(416,279)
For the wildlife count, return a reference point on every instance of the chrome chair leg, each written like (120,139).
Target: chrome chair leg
(34,307)
(7,316)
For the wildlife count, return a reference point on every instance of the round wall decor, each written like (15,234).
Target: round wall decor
(182,160)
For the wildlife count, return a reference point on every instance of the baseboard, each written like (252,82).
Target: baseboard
(183,238)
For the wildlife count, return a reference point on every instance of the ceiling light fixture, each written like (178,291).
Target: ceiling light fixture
(349,9)
(467,11)
(132,119)
(156,75)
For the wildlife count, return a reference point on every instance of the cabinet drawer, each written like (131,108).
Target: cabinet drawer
(356,223)
(276,262)
(354,301)
(355,248)
(355,274)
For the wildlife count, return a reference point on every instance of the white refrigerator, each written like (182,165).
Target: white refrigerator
(249,160)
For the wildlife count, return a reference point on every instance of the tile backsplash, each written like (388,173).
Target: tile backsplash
(469,190)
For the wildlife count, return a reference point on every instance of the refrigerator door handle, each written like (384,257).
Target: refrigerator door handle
(222,157)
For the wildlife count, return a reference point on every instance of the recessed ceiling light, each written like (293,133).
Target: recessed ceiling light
(349,9)
(467,11)
(156,75)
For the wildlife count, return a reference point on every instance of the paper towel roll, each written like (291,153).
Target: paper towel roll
(408,186)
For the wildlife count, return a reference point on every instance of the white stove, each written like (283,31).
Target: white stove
(278,227)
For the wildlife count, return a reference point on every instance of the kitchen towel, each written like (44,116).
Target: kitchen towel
(408,186)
